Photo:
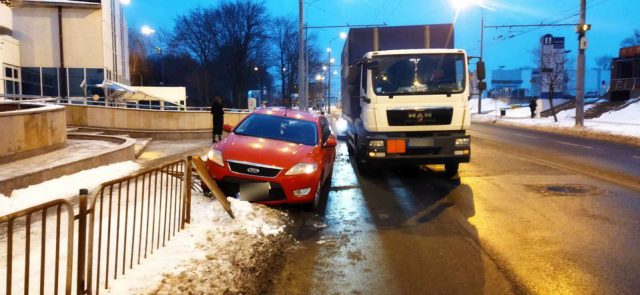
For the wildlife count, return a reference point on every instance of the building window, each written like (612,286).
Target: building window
(50,82)
(95,77)
(12,80)
(76,78)
(31,84)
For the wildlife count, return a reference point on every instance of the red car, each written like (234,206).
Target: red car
(275,156)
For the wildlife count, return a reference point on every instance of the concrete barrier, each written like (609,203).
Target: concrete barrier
(30,129)
(167,125)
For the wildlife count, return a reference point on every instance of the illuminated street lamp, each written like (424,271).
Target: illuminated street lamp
(146,30)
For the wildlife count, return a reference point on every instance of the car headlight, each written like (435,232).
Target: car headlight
(302,168)
(215,156)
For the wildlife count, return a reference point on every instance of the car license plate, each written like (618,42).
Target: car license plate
(254,191)
(420,142)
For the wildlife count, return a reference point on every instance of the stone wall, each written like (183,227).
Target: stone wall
(144,120)
(30,130)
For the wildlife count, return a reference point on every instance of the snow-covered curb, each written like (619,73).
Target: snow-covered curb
(64,187)
(215,255)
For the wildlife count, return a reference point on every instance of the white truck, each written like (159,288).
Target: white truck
(405,97)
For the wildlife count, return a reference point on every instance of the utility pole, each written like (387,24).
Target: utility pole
(582,46)
(302,98)
(481,51)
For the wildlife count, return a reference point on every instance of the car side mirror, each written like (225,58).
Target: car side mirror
(227,128)
(331,142)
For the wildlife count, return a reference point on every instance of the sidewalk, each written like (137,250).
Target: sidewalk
(621,126)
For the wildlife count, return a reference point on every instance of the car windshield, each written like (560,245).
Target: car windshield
(279,128)
(419,74)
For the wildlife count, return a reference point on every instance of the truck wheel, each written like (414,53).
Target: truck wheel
(451,169)
(364,168)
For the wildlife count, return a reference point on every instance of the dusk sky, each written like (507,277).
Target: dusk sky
(611,20)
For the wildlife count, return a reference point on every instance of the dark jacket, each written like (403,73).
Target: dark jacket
(218,117)
(216,109)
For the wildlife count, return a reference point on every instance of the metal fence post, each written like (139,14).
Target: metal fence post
(82,241)
(187,192)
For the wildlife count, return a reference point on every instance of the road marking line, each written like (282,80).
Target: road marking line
(637,157)
(573,144)
(528,136)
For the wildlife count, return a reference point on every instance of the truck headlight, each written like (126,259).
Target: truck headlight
(302,168)
(462,141)
(215,156)
(341,125)
(376,143)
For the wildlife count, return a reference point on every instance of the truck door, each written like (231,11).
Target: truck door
(366,101)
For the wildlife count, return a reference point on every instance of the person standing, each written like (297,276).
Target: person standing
(532,106)
(218,118)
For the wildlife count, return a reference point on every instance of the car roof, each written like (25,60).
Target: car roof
(283,112)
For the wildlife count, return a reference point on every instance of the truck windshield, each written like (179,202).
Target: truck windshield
(419,74)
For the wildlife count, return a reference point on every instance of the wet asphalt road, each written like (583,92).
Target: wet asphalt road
(514,222)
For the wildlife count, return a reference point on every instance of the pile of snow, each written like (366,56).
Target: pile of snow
(625,122)
(215,255)
(64,187)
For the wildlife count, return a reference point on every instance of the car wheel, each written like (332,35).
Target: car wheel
(450,170)
(314,205)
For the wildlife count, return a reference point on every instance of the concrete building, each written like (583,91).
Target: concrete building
(62,48)
(507,83)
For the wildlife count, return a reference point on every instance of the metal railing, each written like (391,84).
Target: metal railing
(625,84)
(118,226)
(27,222)
(113,104)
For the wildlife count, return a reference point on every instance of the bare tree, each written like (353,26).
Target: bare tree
(633,40)
(194,34)
(284,36)
(604,62)
(138,61)
(241,37)
(553,73)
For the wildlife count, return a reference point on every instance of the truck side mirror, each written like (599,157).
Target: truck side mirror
(480,72)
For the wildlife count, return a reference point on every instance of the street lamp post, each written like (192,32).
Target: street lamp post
(256,69)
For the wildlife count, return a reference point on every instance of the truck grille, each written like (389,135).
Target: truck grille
(253,169)
(419,116)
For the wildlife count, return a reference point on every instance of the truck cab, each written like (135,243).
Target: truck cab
(409,106)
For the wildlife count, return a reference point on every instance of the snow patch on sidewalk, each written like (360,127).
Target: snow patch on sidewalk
(215,254)
(623,122)
(64,187)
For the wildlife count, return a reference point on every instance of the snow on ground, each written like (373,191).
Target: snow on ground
(64,187)
(625,122)
(215,255)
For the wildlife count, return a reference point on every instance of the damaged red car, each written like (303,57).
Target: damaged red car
(275,156)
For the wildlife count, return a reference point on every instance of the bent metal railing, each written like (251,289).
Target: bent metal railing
(119,225)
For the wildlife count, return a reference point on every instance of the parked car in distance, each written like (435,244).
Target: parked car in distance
(275,156)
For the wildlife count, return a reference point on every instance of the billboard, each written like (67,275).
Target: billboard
(552,65)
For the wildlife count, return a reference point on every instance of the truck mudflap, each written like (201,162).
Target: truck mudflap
(418,148)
